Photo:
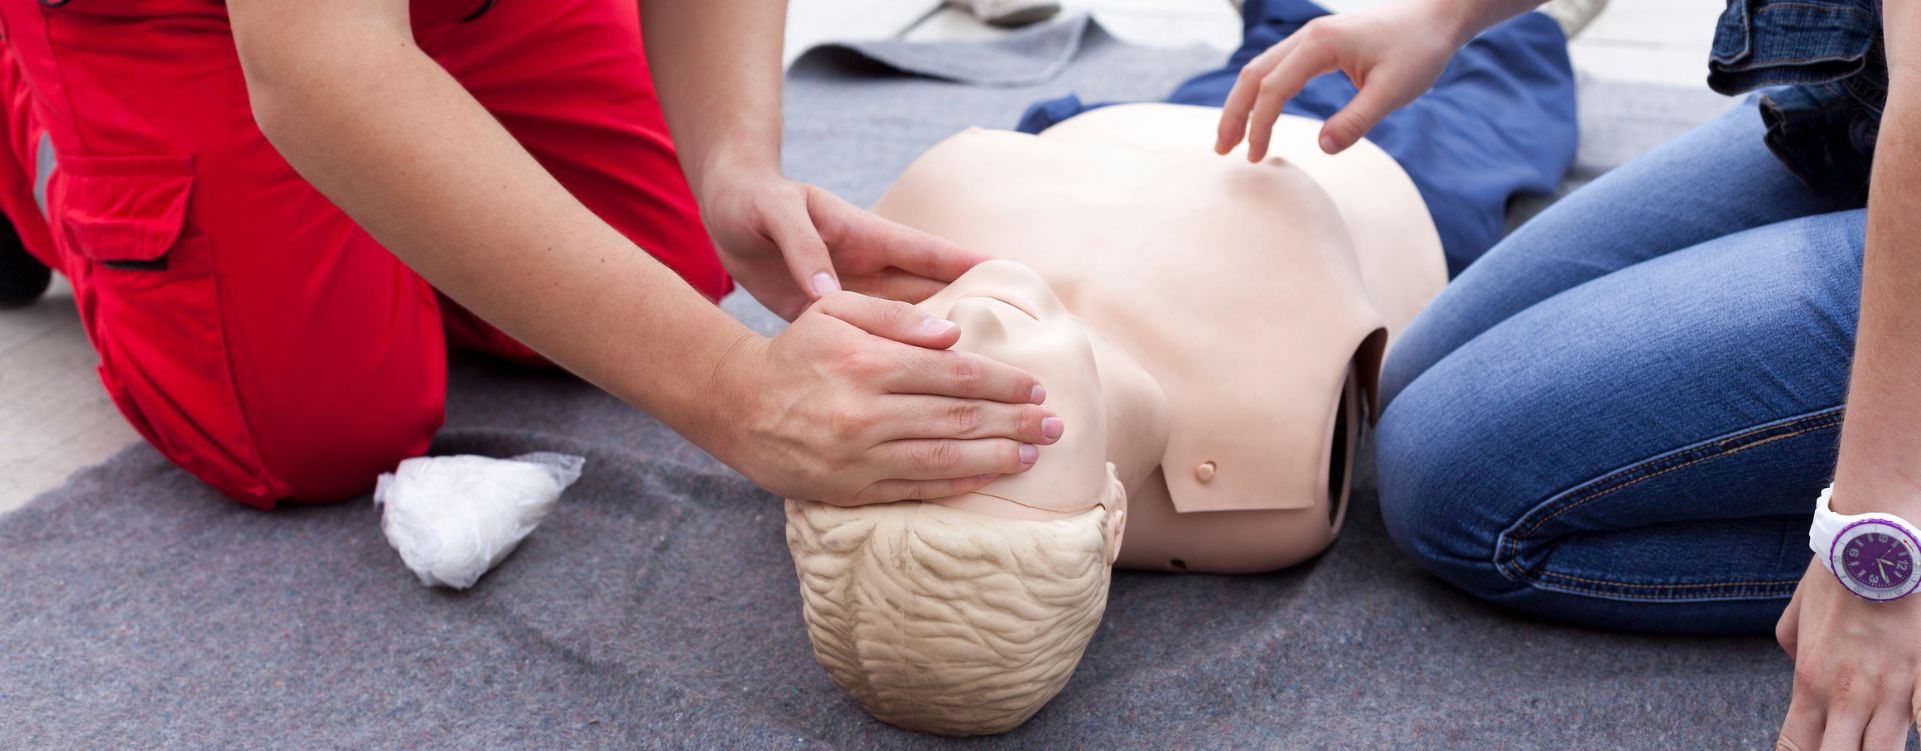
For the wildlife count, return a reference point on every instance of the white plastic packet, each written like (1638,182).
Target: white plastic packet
(453,517)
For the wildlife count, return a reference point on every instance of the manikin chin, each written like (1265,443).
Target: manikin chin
(1210,331)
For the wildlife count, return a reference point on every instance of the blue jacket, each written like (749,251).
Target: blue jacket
(1828,63)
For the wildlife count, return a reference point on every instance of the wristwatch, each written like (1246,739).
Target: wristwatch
(1874,555)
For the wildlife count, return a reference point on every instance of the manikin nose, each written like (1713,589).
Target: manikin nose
(1017,285)
(984,328)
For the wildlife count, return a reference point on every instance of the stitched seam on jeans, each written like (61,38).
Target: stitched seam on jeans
(1822,8)
(1772,61)
(1825,419)
(1507,543)
(1652,475)
(1697,585)
(1720,449)
(1779,592)
(1782,589)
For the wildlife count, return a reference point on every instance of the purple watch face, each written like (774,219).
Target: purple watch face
(1877,558)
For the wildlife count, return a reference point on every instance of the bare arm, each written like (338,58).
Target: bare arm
(853,403)
(400,146)
(716,64)
(1857,663)
(1880,461)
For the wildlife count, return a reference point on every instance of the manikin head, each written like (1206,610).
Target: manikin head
(942,620)
(964,615)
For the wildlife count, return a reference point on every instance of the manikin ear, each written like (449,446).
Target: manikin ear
(1116,505)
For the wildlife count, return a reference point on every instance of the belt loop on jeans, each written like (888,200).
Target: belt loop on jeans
(485,6)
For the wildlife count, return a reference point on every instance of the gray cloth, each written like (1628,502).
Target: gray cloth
(857,114)
(657,606)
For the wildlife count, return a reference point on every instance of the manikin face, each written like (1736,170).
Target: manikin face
(1006,312)
(964,616)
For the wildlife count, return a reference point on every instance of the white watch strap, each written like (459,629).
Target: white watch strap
(1827,525)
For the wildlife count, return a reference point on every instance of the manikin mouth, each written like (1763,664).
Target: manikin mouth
(1048,513)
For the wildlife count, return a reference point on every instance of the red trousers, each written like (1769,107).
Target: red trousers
(246,327)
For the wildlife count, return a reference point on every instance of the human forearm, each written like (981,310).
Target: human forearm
(1465,19)
(716,64)
(855,402)
(1880,458)
(1857,662)
(392,139)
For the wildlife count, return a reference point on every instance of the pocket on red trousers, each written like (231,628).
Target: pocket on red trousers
(149,294)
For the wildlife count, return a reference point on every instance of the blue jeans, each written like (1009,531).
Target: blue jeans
(1499,122)
(1621,415)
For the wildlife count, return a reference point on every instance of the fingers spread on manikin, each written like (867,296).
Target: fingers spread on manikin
(894,320)
(965,375)
(947,417)
(867,243)
(792,229)
(888,491)
(948,459)
(893,284)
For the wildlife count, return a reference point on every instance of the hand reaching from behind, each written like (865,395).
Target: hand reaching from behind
(790,244)
(859,401)
(1392,52)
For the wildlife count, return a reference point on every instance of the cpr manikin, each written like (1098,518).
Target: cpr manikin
(1211,333)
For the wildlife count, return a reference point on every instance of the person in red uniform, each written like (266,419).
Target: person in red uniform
(277,216)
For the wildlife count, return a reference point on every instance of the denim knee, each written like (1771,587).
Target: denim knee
(1460,467)
(1442,504)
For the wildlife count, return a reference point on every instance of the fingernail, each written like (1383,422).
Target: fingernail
(1038,395)
(1052,427)
(934,325)
(824,284)
(1029,453)
(1327,144)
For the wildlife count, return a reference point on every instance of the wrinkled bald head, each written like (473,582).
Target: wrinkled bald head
(944,620)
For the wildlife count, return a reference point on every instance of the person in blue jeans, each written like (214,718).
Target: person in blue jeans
(1622,414)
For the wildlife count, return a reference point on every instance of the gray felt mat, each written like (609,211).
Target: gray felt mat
(657,606)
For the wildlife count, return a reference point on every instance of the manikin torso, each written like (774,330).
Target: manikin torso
(1210,328)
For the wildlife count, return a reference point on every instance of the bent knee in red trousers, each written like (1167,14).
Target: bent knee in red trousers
(246,327)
